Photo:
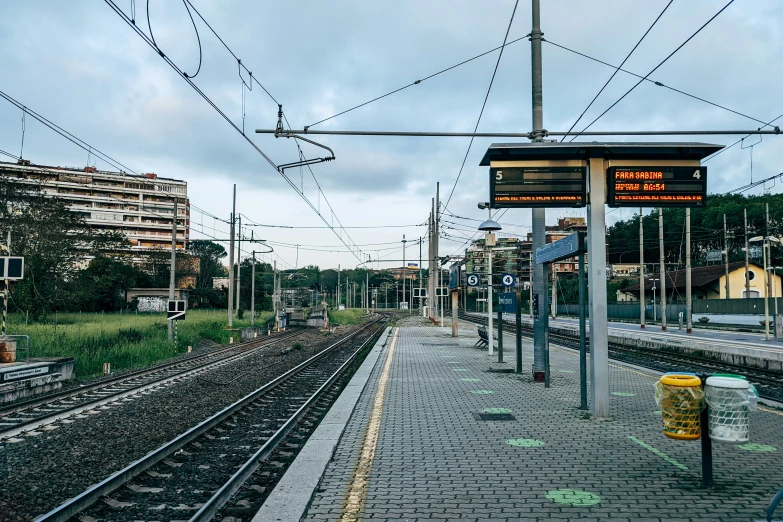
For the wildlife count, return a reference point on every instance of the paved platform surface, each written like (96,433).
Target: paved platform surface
(435,460)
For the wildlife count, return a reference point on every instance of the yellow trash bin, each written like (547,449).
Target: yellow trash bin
(680,398)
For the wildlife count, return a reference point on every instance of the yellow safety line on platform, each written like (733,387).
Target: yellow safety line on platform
(355,496)
(769,410)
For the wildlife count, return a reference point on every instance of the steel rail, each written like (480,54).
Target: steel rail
(104,383)
(761,375)
(71,507)
(90,404)
(218,501)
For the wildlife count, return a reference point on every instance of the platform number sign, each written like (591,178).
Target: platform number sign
(474,280)
(176,310)
(11,267)
(507,279)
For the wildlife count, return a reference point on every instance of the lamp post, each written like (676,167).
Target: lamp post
(489,227)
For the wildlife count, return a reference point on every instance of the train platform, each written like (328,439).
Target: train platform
(431,434)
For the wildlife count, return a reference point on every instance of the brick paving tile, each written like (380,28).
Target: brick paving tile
(435,460)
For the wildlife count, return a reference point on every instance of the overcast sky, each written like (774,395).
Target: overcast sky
(78,64)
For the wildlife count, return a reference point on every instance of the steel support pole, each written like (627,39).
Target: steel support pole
(766,293)
(253,292)
(663,269)
(231,262)
(540,286)
(436,251)
(688,292)
(747,257)
(642,304)
(500,335)
(599,327)
(421,300)
(582,336)
(726,253)
(454,309)
(404,269)
(173,269)
(489,301)
(239,264)
(518,331)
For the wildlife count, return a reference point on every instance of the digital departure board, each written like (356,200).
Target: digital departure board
(656,186)
(527,187)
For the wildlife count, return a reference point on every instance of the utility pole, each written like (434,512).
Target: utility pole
(172,275)
(239,262)
(421,300)
(688,296)
(436,252)
(431,278)
(553,304)
(769,256)
(253,292)
(337,304)
(231,262)
(747,258)
(541,319)
(642,304)
(404,269)
(663,269)
(7,295)
(726,252)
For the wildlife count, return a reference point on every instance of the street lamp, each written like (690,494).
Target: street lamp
(655,309)
(489,226)
(764,247)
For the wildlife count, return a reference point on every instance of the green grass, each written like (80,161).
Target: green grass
(124,340)
(347,316)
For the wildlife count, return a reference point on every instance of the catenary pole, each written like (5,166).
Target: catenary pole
(172,274)
(747,257)
(253,292)
(663,269)
(421,301)
(436,300)
(688,294)
(404,269)
(540,320)
(231,262)
(239,264)
(726,253)
(642,304)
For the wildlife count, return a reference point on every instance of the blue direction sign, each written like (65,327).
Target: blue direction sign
(564,248)
(507,302)
(473,280)
(507,279)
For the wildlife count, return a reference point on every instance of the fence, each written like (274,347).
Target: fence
(730,307)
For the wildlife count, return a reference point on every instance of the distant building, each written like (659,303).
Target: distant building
(139,206)
(564,228)
(707,282)
(618,270)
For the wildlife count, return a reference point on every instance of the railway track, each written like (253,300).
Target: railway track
(768,382)
(31,414)
(229,461)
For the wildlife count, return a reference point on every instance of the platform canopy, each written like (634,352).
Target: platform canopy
(598,149)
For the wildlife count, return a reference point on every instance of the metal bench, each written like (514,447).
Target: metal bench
(483,337)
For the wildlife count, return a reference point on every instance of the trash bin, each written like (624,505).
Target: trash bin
(729,399)
(680,398)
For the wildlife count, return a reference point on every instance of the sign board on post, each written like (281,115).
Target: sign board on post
(538,186)
(454,276)
(176,310)
(474,279)
(714,255)
(507,302)
(507,279)
(564,248)
(656,186)
(441,291)
(11,267)
(420,292)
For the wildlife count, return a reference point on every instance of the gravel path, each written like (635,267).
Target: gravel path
(43,470)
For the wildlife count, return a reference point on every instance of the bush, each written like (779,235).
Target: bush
(297,346)
(240,313)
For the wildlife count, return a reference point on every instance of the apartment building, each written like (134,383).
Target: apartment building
(139,206)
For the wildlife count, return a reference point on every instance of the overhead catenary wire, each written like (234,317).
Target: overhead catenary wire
(358,254)
(650,80)
(629,91)
(483,105)
(618,68)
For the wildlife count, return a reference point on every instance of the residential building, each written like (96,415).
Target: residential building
(139,206)
(708,282)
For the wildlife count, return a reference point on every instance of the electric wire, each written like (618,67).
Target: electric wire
(618,69)
(483,105)
(198,38)
(655,68)
(206,98)
(9,154)
(417,82)
(67,135)
(724,149)
(659,84)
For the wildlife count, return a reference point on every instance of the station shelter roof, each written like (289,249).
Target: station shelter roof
(553,150)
